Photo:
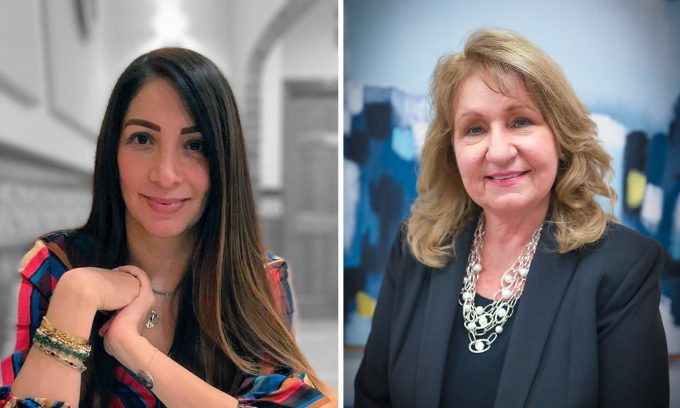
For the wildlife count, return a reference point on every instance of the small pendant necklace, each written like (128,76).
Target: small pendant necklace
(484,324)
(164,294)
(152,320)
(154,317)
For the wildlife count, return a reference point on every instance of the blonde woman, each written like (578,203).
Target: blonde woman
(509,285)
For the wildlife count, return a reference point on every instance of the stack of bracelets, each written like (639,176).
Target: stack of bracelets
(69,350)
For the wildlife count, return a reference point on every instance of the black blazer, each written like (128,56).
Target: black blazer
(588,332)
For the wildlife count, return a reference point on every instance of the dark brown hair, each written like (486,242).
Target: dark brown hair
(227,321)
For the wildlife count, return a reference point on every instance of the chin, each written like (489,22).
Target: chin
(513,204)
(166,231)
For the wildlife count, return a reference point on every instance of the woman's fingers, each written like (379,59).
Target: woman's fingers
(106,325)
(105,289)
(137,273)
(144,283)
(142,304)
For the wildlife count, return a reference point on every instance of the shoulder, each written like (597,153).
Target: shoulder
(73,247)
(622,244)
(276,268)
(400,245)
(622,235)
(401,267)
(273,261)
(401,241)
(55,253)
(277,276)
(624,261)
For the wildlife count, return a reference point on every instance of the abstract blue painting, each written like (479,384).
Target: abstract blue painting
(384,129)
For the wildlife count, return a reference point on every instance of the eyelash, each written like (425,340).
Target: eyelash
(468,131)
(194,142)
(135,139)
(528,122)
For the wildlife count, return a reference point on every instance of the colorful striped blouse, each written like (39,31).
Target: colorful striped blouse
(50,258)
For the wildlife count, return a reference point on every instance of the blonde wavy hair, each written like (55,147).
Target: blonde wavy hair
(443,207)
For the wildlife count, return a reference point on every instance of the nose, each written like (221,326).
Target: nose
(166,170)
(500,148)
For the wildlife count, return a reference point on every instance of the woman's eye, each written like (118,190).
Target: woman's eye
(521,122)
(195,145)
(140,138)
(474,131)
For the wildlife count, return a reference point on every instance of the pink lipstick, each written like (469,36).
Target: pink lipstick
(506,178)
(165,205)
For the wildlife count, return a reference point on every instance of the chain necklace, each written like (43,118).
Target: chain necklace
(164,294)
(154,318)
(484,324)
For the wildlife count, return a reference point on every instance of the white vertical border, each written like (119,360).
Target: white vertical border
(341,185)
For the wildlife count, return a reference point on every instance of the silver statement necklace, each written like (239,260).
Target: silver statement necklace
(484,324)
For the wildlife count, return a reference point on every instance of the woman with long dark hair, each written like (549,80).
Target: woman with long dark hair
(165,296)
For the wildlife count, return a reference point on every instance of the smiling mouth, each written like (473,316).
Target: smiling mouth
(165,201)
(165,205)
(508,176)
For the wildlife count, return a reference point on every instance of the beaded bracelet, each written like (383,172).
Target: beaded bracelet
(78,366)
(67,349)
(54,344)
(79,349)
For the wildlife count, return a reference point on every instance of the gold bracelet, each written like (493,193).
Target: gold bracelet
(64,350)
(73,342)
(78,366)
(78,349)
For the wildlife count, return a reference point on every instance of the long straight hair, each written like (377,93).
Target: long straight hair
(228,325)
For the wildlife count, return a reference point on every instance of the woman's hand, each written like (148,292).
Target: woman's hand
(103,289)
(127,324)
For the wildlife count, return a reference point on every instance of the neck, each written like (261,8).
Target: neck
(164,259)
(511,231)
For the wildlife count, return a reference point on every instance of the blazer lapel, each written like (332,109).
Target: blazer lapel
(544,289)
(442,303)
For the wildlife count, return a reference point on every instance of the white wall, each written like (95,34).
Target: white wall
(311,47)
(69,80)
(308,51)
(27,114)
(616,53)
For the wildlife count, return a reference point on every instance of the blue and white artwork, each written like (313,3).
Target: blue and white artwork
(650,197)
(384,129)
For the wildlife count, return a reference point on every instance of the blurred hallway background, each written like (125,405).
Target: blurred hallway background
(59,60)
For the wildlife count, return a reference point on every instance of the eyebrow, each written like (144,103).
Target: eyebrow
(509,109)
(155,127)
(190,129)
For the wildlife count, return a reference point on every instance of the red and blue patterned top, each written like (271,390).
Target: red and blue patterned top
(51,257)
